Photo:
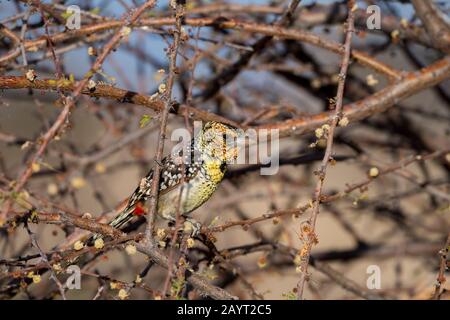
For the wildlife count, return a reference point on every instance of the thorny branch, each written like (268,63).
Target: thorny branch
(71,100)
(309,230)
(167,98)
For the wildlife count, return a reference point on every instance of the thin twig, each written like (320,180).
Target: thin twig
(443,261)
(167,98)
(311,237)
(44,257)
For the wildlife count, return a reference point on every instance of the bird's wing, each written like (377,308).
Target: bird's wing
(173,172)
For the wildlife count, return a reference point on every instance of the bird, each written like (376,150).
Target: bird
(186,181)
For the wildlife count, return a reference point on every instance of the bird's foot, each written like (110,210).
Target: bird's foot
(192,227)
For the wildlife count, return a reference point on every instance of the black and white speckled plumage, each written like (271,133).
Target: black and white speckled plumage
(198,177)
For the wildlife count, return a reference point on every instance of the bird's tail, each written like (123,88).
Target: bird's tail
(121,219)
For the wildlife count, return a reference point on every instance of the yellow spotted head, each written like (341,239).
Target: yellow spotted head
(218,141)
